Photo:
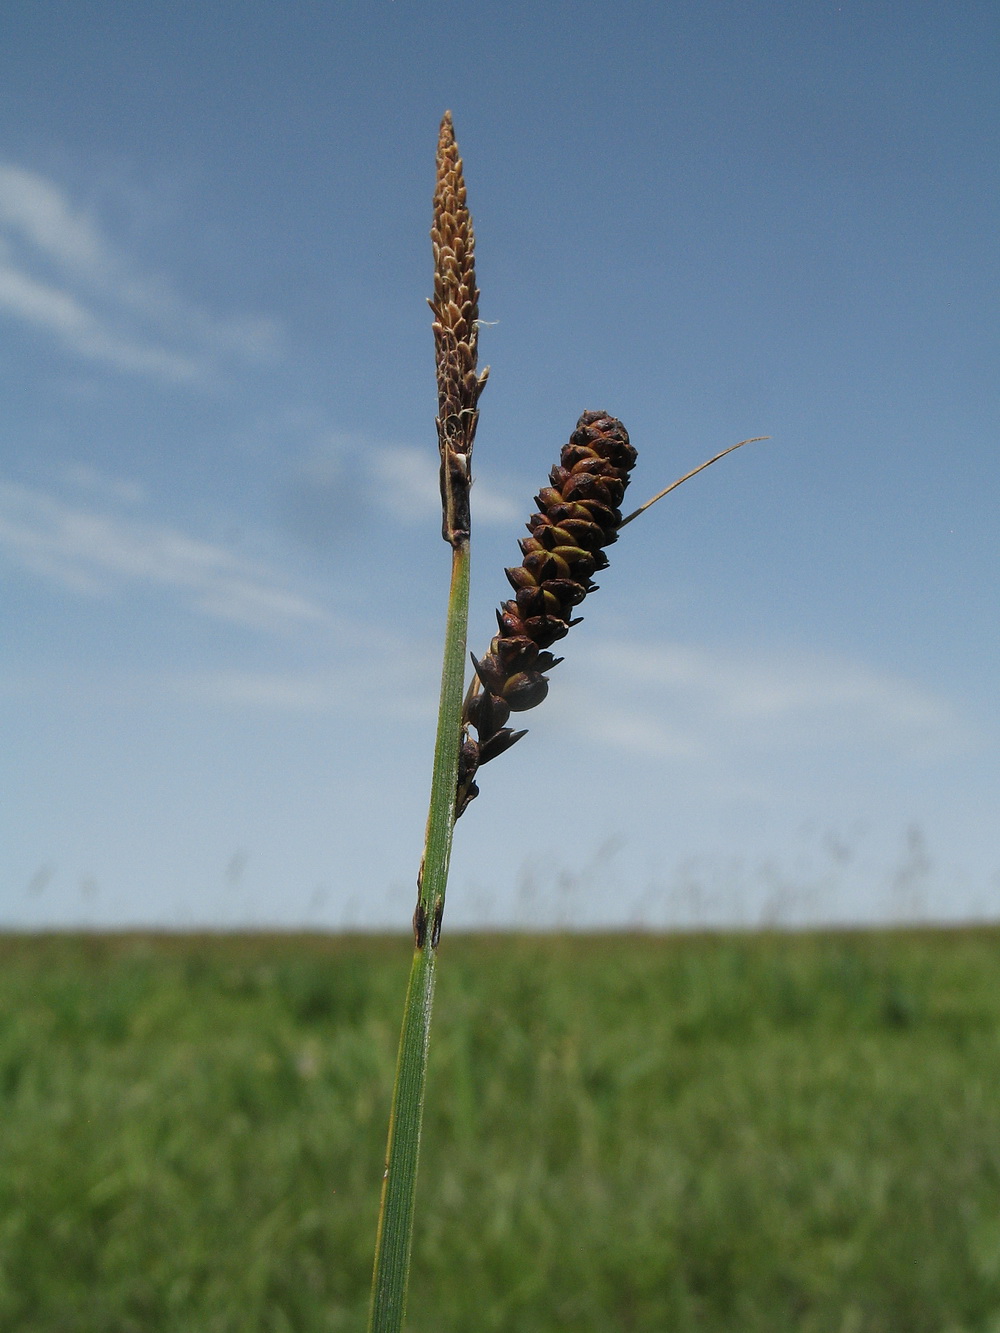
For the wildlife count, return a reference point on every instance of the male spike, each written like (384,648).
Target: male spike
(455,306)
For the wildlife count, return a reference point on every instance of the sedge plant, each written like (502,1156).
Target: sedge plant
(578,516)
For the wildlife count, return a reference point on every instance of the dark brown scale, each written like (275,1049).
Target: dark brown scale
(586,486)
(468,760)
(564,592)
(509,620)
(490,671)
(547,630)
(487,713)
(524,690)
(541,566)
(585,534)
(500,740)
(519,578)
(518,654)
(533,602)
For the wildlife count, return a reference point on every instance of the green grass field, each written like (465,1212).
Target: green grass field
(629,1132)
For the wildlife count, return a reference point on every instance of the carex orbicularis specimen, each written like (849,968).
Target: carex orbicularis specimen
(578,516)
(455,306)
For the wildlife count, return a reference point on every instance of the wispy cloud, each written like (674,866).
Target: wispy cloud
(100,553)
(677,704)
(407,485)
(34,207)
(674,701)
(371,669)
(120,490)
(82,331)
(60,273)
(387,684)
(347,476)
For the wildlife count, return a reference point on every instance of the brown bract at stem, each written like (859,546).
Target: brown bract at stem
(455,306)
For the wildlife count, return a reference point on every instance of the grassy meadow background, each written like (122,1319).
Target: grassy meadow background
(634,1132)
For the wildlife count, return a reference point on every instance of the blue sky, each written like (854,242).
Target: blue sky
(221,574)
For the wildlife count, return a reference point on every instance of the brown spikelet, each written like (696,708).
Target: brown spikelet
(579,514)
(455,305)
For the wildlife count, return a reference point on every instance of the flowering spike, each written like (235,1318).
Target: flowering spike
(455,306)
(577,517)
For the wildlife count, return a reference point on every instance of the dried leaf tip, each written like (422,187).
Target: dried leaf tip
(455,306)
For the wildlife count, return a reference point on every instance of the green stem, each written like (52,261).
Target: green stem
(395,1224)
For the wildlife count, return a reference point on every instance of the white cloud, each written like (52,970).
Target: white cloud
(59,273)
(82,331)
(89,479)
(677,700)
(266,690)
(408,487)
(389,683)
(371,669)
(98,553)
(35,208)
